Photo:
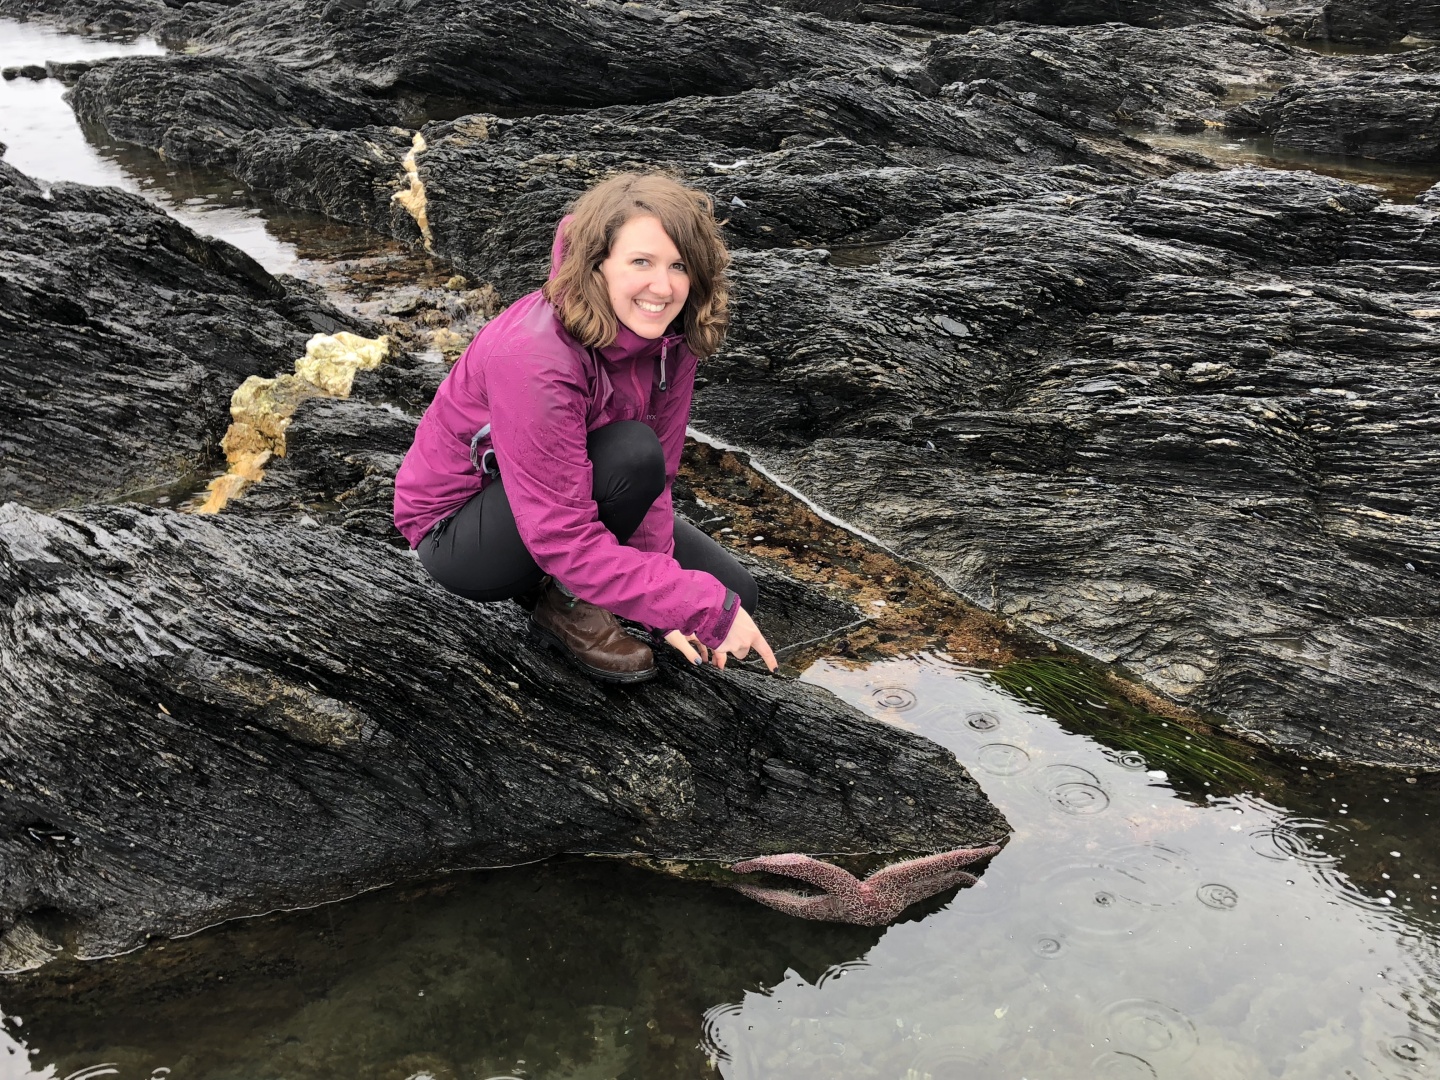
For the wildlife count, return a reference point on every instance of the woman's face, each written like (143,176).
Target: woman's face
(647,280)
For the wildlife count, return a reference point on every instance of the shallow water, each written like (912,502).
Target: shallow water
(44,140)
(1126,931)
(1398,183)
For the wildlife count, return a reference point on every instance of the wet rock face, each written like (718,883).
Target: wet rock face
(195,108)
(1108,75)
(1355,22)
(535,54)
(123,335)
(952,16)
(1184,426)
(1387,117)
(276,687)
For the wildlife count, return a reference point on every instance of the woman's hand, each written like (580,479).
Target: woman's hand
(690,647)
(744,635)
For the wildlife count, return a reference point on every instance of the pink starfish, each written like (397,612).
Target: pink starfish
(873,902)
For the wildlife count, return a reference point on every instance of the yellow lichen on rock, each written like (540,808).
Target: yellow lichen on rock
(261,409)
(331,360)
(412,198)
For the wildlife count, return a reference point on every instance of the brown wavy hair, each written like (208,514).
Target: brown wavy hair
(578,291)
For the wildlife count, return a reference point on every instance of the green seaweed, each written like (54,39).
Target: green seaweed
(1080,699)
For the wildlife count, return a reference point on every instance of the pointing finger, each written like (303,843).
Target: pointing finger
(766,653)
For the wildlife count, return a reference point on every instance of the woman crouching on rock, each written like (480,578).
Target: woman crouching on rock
(542,470)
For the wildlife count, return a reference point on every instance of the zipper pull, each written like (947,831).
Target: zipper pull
(664,384)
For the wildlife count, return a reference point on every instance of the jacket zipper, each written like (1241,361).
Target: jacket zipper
(664,385)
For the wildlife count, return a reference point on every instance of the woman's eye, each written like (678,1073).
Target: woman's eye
(678,266)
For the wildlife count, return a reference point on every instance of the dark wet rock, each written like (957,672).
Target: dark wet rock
(34,72)
(1429,197)
(195,108)
(97,16)
(1116,75)
(1187,427)
(1388,117)
(494,188)
(339,467)
(1355,22)
(537,54)
(957,15)
(284,713)
(123,335)
(349,176)
(68,72)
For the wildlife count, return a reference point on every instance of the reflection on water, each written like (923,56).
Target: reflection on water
(1128,930)
(44,140)
(1399,183)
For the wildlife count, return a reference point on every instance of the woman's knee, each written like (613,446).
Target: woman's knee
(627,457)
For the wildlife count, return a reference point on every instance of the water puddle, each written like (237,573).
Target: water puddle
(1342,48)
(1398,183)
(1286,927)
(44,139)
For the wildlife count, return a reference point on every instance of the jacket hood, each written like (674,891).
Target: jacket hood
(557,246)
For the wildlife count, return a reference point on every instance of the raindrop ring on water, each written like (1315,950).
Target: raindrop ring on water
(895,698)
(712,1038)
(1122,1066)
(982,721)
(1079,798)
(1150,1030)
(1002,759)
(1292,840)
(1046,945)
(1410,1049)
(1220,897)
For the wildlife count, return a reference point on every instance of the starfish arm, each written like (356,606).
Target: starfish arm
(803,868)
(896,897)
(917,870)
(825,907)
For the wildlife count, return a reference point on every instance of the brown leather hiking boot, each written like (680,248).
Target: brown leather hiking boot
(592,636)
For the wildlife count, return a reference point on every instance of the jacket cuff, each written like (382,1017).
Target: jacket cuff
(717,627)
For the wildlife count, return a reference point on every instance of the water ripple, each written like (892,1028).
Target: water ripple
(712,1036)
(1072,789)
(893,698)
(1296,839)
(1150,1031)
(1220,897)
(1002,759)
(982,721)
(1121,1066)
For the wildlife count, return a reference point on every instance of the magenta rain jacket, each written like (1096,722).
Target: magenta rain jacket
(528,390)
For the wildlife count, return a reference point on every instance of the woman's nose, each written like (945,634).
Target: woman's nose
(660,281)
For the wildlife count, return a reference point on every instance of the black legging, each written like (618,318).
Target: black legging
(478,554)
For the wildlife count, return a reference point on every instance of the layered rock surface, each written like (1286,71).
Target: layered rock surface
(123,334)
(953,16)
(1384,116)
(1355,22)
(215,716)
(1188,427)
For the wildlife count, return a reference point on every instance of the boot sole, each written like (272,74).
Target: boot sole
(624,678)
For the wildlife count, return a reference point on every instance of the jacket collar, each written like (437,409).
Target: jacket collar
(629,345)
